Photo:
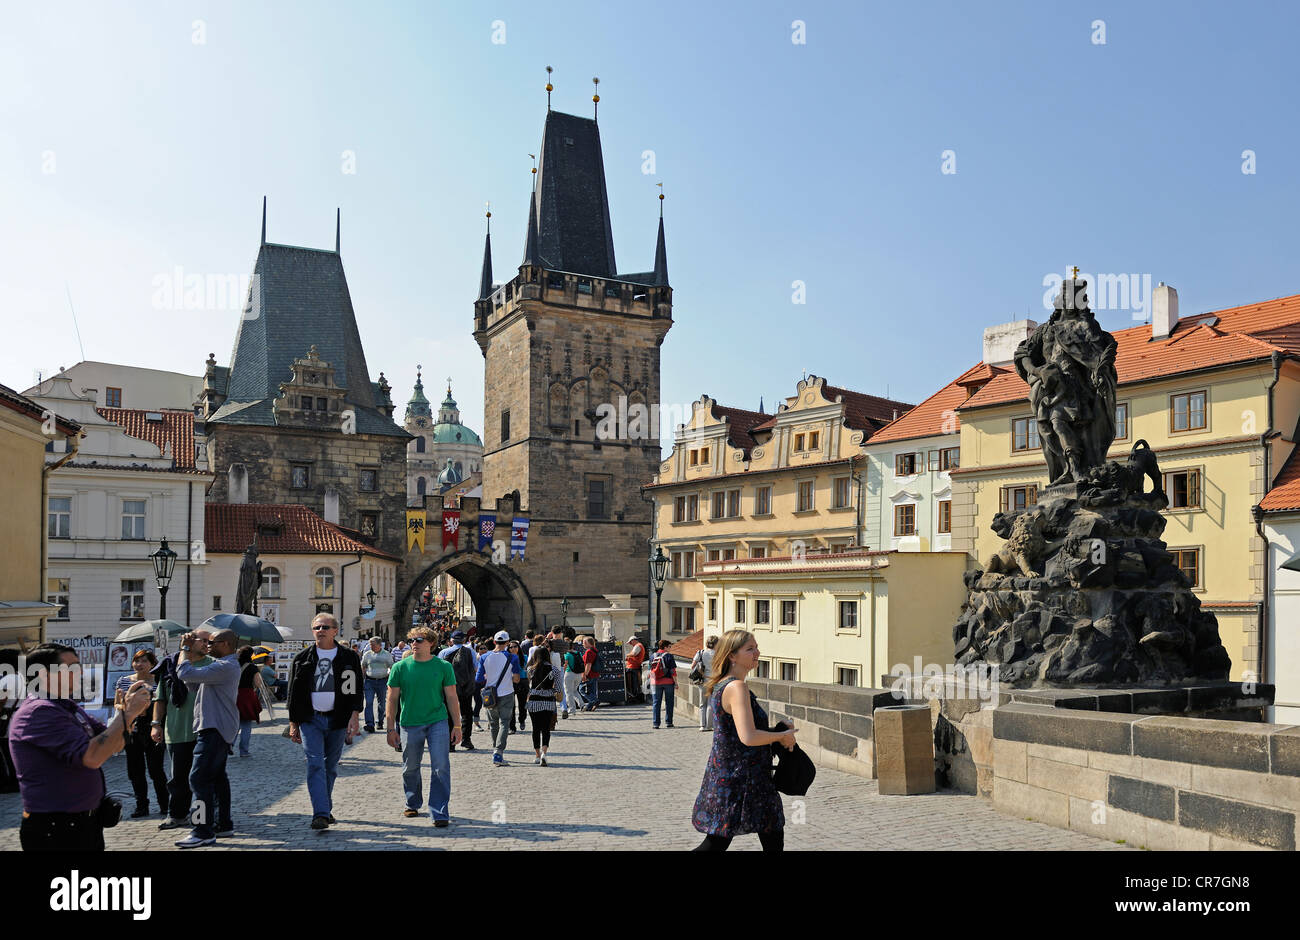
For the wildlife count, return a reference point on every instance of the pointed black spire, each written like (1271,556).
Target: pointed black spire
(485,282)
(338,229)
(263,220)
(530,240)
(661,254)
(573,228)
(760,405)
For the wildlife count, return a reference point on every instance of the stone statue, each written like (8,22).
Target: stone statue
(250,581)
(1069,364)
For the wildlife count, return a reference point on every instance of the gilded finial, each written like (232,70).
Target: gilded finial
(488,206)
(595,98)
(549,87)
(661,199)
(1075,269)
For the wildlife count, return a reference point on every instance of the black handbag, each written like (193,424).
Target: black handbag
(795,771)
(109,812)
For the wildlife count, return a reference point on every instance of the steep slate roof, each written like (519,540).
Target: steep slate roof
(298,297)
(573,228)
(1219,338)
(176,428)
(230,527)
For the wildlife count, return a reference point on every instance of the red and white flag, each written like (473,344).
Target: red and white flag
(450,527)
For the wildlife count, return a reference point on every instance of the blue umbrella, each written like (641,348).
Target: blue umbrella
(246,627)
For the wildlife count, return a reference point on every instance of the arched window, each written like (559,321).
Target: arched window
(270,582)
(324,582)
(419,486)
(419,445)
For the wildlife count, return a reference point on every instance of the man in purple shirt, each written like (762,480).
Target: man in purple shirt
(58,750)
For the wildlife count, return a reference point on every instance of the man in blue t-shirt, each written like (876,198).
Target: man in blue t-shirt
(499,670)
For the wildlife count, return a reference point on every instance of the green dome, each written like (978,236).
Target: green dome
(454,434)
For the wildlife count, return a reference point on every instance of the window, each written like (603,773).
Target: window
(1018,498)
(733,503)
(1121,422)
(1187,411)
(322,404)
(758,551)
(844,675)
(713,609)
(787,613)
(596,507)
(806,496)
(306,402)
(686,508)
(789,672)
(762,612)
(683,619)
(216,601)
(577,428)
(728,554)
(719,505)
(420,486)
(798,443)
(904,465)
(132,599)
(814,438)
(60,517)
(842,497)
(934,460)
(419,445)
(505,425)
(763,670)
(367,481)
(1024,435)
(370,524)
(950,458)
(112,397)
(904,520)
(270,582)
(704,455)
(695,458)
(1188,561)
(324,582)
(1183,487)
(715,554)
(762,500)
(848,615)
(945,515)
(133,518)
(740,610)
(299,476)
(58,591)
(683,564)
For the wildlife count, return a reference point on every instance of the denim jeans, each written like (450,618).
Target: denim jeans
(210,784)
(245,735)
(179,795)
(323,746)
(664,693)
(590,691)
(499,716)
(376,687)
(437,737)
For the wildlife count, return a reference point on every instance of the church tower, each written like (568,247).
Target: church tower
(572,350)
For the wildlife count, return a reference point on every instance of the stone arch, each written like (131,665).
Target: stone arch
(420,485)
(577,401)
(499,595)
(559,405)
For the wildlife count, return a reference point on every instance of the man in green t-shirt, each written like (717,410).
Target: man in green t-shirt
(175,724)
(422,688)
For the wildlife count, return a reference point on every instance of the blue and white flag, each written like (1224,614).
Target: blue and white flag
(518,537)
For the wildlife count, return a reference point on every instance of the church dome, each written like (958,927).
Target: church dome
(448,429)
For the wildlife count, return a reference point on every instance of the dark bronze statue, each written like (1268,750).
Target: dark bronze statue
(250,581)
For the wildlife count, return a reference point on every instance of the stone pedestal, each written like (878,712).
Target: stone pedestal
(904,747)
(615,622)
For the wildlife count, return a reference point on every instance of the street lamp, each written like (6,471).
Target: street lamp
(659,573)
(370,596)
(164,562)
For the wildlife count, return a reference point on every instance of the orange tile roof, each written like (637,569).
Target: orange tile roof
(935,415)
(230,527)
(1285,494)
(688,647)
(175,428)
(1241,334)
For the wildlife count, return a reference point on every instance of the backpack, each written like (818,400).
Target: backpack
(462,664)
(658,667)
(574,661)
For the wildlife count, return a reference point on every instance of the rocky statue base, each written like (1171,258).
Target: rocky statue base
(1085,592)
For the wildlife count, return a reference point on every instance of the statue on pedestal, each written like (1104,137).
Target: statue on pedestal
(250,582)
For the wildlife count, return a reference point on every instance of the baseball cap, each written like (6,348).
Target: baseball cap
(458,634)
(502,637)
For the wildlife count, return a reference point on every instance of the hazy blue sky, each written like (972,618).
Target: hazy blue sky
(130,148)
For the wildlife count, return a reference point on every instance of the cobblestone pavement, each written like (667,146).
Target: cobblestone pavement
(634,788)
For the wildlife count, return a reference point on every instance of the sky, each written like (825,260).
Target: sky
(852,190)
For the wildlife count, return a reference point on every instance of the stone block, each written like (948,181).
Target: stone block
(1167,837)
(1070,779)
(1057,698)
(1026,802)
(1158,701)
(778,691)
(803,695)
(1063,755)
(842,743)
(856,725)
(758,686)
(795,711)
(1010,760)
(978,729)
(1043,724)
(852,701)
(1152,800)
(1168,772)
(1124,764)
(1284,752)
(1273,790)
(984,782)
(1106,822)
(1228,695)
(820,716)
(1232,819)
(904,749)
(1220,844)
(1202,741)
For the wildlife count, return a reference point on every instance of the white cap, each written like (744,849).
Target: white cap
(502,637)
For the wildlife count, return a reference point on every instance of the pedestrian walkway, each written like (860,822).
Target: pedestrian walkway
(612,783)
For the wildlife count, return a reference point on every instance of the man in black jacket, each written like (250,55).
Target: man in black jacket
(326,695)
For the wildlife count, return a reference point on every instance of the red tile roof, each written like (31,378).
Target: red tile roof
(688,647)
(175,428)
(230,527)
(740,424)
(9,398)
(936,415)
(866,412)
(1240,334)
(1285,494)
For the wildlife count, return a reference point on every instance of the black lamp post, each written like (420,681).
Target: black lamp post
(164,562)
(658,572)
(370,596)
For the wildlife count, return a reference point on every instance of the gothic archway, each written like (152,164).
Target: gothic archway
(501,600)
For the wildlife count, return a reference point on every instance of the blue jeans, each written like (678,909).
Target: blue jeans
(437,737)
(376,687)
(664,693)
(210,785)
(245,733)
(589,691)
(323,746)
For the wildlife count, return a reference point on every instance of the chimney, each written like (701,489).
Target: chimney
(1164,311)
(1000,341)
(332,505)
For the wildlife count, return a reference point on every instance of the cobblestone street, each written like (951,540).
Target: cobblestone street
(612,783)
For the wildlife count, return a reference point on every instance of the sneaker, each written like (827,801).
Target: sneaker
(537,760)
(706,729)
(478,725)
(370,729)
(174,823)
(441,823)
(544,761)
(669,725)
(410,813)
(320,822)
(498,760)
(466,746)
(655,727)
(564,714)
(333,821)
(194,842)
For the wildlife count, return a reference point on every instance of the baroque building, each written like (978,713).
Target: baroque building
(444,452)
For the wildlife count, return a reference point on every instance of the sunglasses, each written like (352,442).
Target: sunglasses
(322,626)
(419,639)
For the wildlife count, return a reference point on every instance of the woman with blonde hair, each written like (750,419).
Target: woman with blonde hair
(737,795)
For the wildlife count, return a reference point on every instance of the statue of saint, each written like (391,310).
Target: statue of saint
(250,581)
(1069,365)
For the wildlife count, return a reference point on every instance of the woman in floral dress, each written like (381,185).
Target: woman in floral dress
(737,795)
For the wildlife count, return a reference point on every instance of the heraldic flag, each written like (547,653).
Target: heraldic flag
(487,526)
(415,529)
(518,537)
(450,527)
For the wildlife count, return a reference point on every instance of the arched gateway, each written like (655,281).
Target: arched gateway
(501,600)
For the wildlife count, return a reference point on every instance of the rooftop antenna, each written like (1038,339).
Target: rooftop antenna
(263,220)
(595,100)
(74,321)
(549,87)
(534,156)
(338,228)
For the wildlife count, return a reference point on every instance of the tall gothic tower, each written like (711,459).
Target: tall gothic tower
(562,338)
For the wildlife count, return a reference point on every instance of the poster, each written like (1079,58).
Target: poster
(119,663)
(92,653)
